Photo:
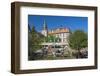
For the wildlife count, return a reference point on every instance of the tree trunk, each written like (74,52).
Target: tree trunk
(78,53)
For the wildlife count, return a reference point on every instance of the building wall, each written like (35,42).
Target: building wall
(44,32)
(62,36)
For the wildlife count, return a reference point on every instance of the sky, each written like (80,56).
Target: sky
(53,22)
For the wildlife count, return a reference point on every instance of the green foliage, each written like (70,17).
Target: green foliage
(78,40)
(29,43)
(35,40)
(52,38)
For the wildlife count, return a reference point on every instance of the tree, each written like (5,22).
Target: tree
(78,40)
(29,43)
(34,42)
(37,39)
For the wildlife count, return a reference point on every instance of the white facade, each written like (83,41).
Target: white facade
(62,36)
(62,33)
(44,32)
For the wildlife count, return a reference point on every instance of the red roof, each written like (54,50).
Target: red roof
(59,30)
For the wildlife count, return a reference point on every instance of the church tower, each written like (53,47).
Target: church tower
(45,29)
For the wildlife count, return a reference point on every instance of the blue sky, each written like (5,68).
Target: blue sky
(72,22)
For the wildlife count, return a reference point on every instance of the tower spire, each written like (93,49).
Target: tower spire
(44,25)
(45,29)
